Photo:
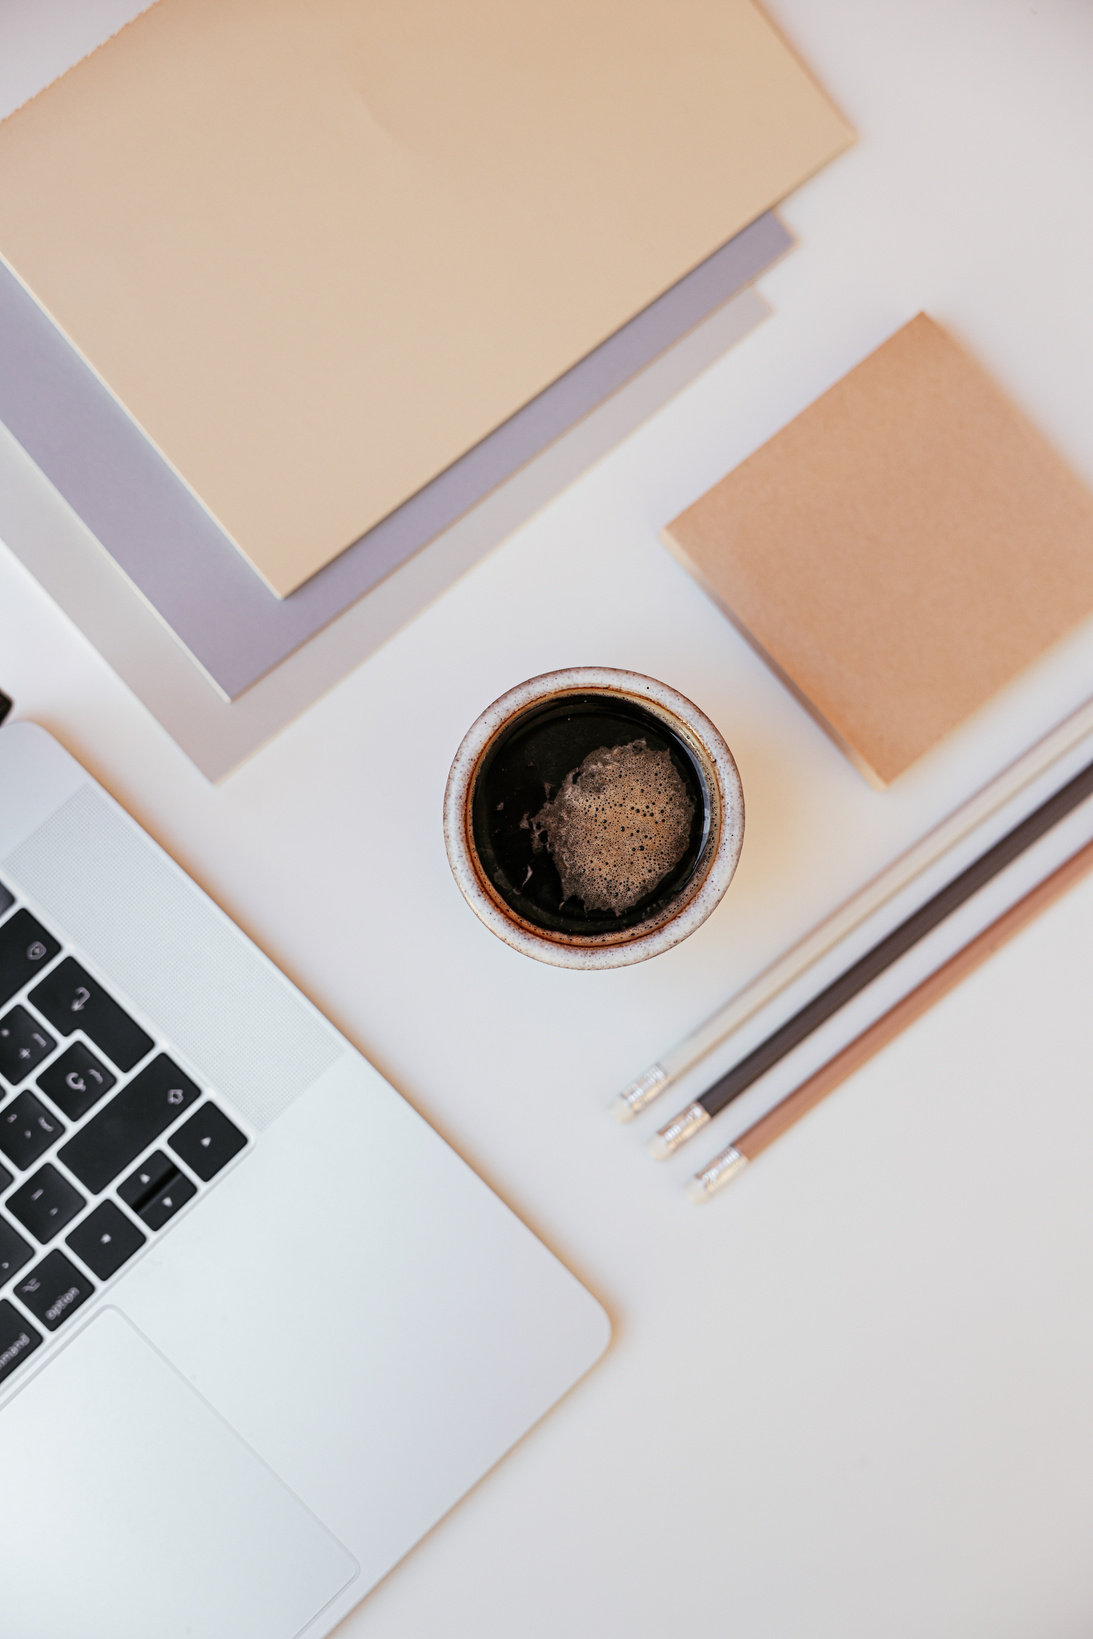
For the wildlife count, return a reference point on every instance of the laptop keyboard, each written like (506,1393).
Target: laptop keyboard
(103,1138)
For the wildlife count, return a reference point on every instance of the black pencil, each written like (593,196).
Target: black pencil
(723,1168)
(843,989)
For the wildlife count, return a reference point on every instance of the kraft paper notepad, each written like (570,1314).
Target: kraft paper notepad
(321,248)
(900,551)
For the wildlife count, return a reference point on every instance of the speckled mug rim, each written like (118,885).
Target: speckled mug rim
(712,874)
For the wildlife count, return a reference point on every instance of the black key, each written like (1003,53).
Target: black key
(207,1141)
(53,1290)
(45,1203)
(76,1081)
(27,1129)
(141,1185)
(5,1179)
(105,1240)
(18,1338)
(156,1190)
(23,1045)
(7,899)
(72,1000)
(14,1251)
(167,1199)
(25,948)
(128,1124)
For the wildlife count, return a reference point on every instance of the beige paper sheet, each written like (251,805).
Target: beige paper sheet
(900,551)
(319,248)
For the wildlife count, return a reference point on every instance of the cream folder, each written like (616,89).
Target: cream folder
(320,248)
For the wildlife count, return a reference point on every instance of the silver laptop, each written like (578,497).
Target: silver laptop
(260,1328)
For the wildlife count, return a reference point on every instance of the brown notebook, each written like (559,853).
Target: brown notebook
(900,551)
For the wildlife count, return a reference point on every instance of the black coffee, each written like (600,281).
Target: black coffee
(589,815)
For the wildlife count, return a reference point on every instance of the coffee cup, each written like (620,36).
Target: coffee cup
(593,817)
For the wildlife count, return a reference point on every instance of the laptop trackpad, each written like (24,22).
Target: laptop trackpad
(127,1508)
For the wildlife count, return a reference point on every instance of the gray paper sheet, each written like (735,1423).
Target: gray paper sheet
(58,548)
(173,551)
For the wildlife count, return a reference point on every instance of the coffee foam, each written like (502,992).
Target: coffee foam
(617,826)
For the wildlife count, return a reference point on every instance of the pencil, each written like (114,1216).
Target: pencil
(849,984)
(758,1137)
(1005,787)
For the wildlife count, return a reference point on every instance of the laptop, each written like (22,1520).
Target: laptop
(260,1327)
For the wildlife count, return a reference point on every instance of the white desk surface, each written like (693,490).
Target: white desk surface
(851,1396)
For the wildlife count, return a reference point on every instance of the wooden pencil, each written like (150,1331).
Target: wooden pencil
(758,1137)
(681,1059)
(689,1122)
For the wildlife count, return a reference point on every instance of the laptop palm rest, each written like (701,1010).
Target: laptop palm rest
(128,1507)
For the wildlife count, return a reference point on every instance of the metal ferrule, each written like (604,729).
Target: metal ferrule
(634,1098)
(721,1171)
(677,1132)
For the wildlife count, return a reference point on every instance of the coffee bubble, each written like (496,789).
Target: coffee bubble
(616,827)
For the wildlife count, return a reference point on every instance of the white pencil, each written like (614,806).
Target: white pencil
(726,1166)
(866,902)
